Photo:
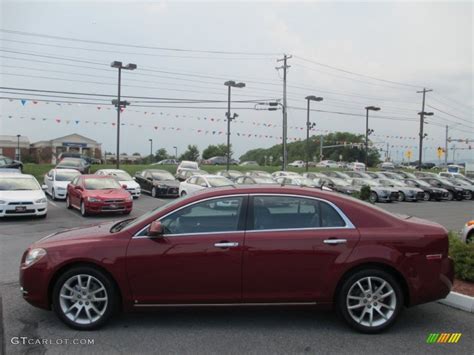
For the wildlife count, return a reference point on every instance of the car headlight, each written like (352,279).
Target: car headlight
(34,255)
(93,199)
(60,188)
(41,200)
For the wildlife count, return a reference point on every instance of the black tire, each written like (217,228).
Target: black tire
(450,196)
(68,203)
(426,196)
(43,216)
(53,197)
(373,197)
(111,294)
(351,281)
(401,196)
(83,209)
(153,192)
(470,237)
(183,193)
(468,195)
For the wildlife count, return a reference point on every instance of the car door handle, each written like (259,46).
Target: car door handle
(226,245)
(335,241)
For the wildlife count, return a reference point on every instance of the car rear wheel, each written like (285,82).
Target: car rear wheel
(373,197)
(68,202)
(450,196)
(468,195)
(427,196)
(83,209)
(370,300)
(84,298)
(401,196)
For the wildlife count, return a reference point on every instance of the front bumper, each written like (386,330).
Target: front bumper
(135,192)
(34,281)
(108,207)
(14,210)
(167,191)
(60,194)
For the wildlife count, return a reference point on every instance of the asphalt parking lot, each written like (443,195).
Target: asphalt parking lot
(229,331)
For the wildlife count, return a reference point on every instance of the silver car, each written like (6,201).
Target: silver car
(378,193)
(467,234)
(405,192)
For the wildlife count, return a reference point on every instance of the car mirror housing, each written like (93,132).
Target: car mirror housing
(78,187)
(44,187)
(156,229)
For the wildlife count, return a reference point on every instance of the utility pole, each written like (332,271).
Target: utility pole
(368,132)
(230,84)
(446,148)
(422,121)
(285,66)
(309,125)
(321,148)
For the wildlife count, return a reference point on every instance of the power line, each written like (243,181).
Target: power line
(22,33)
(446,113)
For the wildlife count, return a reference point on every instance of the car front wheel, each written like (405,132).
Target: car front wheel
(427,196)
(84,298)
(153,192)
(401,196)
(450,196)
(68,202)
(83,209)
(373,197)
(370,300)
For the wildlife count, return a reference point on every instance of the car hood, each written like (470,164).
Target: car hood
(112,193)
(29,195)
(169,183)
(87,232)
(131,184)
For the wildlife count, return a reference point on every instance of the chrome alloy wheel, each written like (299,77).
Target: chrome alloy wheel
(371,301)
(83,299)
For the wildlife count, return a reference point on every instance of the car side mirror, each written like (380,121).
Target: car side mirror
(124,187)
(156,229)
(203,184)
(44,187)
(78,187)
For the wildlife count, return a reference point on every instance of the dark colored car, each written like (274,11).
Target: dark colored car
(240,246)
(454,192)
(216,161)
(430,192)
(185,174)
(7,163)
(94,194)
(75,163)
(158,183)
(339,185)
(89,160)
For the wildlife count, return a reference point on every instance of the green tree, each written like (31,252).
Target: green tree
(161,154)
(216,150)
(192,153)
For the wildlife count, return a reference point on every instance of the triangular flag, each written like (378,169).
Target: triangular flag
(23,102)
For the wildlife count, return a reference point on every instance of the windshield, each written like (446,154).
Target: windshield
(121,176)
(341,182)
(371,183)
(162,176)
(22,184)
(189,165)
(422,183)
(219,181)
(304,181)
(263,180)
(101,184)
(445,181)
(66,175)
(396,183)
(234,173)
(70,163)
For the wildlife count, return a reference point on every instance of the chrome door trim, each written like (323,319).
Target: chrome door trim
(224,304)
(335,241)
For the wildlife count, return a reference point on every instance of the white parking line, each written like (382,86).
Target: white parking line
(53,203)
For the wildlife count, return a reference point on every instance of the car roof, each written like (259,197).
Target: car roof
(17,176)
(66,170)
(93,176)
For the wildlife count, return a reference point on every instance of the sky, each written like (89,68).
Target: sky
(353,54)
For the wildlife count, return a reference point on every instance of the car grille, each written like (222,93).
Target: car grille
(115,201)
(20,203)
(172,191)
(19,212)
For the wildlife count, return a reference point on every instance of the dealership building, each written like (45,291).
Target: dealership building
(48,151)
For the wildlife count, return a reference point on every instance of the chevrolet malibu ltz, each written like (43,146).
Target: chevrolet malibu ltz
(243,246)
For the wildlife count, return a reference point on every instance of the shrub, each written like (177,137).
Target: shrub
(365,193)
(463,256)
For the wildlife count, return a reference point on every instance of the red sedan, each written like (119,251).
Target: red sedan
(94,194)
(244,246)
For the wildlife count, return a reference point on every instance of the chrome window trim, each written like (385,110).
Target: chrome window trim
(349,224)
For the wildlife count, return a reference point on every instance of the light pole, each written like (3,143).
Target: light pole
(175,152)
(151,147)
(309,125)
(120,104)
(18,154)
(422,135)
(230,84)
(367,133)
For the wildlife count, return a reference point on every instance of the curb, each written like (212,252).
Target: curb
(459,301)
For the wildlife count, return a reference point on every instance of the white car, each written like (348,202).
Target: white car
(284,173)
(56,181)
(21,195)
(457,176)
(298,164)
(188,165)
(124,179)
(200,182)
(356,166)
(327,164)
(387,166)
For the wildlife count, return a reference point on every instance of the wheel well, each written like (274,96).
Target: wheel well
(67,267)
(384,267)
